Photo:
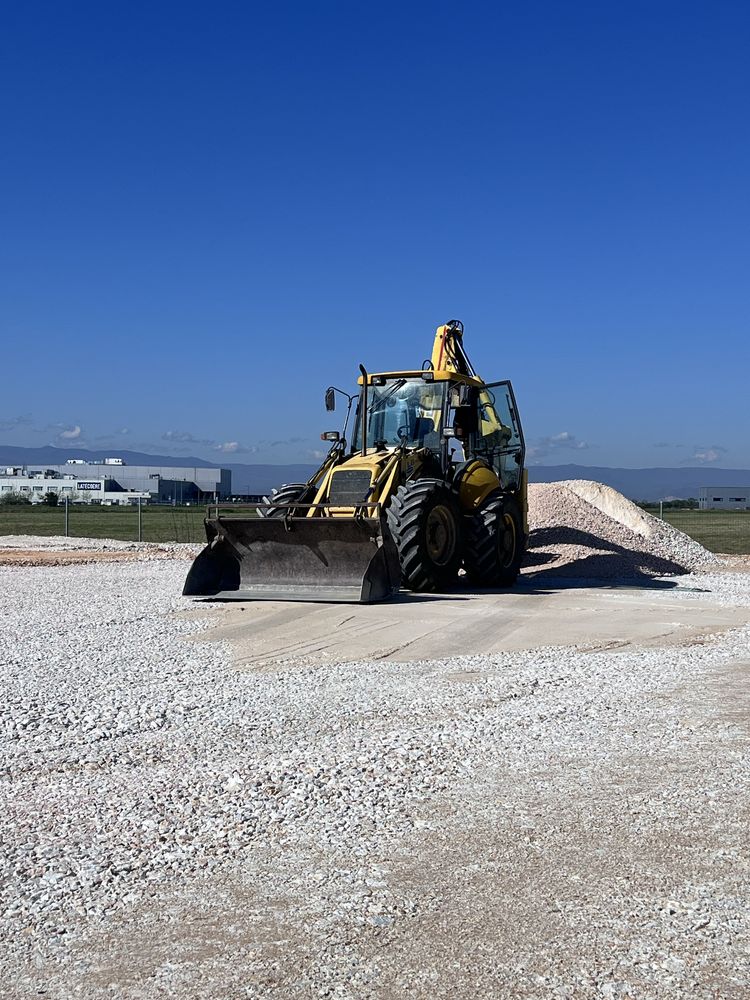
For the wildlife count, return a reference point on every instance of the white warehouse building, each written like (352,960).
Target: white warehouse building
(36,487)
(112,481)
(724,498)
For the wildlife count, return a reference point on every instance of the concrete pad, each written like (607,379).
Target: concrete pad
(429,626)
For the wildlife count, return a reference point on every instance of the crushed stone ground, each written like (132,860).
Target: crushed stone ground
(552,822)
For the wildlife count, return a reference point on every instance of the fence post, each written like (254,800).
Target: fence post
(661,509)
(140,522)
(66,517)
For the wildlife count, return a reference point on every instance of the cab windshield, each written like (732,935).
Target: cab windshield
(402,410)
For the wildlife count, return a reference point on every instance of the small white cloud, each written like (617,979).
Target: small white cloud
(316,453)
(708,455)
(234,448)
(556,442)
(185,437)
(179,436)
(70,434)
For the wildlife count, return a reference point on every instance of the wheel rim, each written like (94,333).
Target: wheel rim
(440,535)
(508,542)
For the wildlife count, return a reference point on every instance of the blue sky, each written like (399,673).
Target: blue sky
(211,212)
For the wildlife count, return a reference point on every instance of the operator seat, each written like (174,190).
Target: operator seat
(424,433)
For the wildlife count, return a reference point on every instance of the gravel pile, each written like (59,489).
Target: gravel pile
(147,785)
(585,529)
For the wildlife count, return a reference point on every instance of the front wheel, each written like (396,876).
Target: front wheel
(425,523)
(495,542)
(285,494)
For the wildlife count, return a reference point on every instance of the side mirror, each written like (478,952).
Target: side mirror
(330,436)
(330,400)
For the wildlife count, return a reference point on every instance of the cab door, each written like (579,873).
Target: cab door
(498,439)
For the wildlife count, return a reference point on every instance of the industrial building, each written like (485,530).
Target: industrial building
(724,498)
(112,481)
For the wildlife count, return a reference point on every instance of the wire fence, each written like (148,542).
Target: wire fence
(719,530)
(147,523)
(726,531)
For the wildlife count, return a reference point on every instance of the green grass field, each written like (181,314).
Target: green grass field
(160,524)
(719,531)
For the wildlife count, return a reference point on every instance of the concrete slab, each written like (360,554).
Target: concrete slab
(417,627)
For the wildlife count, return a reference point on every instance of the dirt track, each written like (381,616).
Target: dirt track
(49,557)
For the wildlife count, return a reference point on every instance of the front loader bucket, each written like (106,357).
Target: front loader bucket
(295,559)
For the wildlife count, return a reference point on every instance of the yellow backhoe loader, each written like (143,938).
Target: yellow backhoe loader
(433,481)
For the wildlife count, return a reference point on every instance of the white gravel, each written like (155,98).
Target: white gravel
(144,782)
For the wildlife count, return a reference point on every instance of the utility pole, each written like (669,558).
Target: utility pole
(66,517)
(140,523)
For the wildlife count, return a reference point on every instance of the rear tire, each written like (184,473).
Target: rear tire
(494,542)
(425,523)
(287,493)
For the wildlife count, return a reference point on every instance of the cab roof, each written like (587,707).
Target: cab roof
(437,376)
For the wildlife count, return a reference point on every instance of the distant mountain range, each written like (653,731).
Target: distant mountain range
(638,484)
(13,455)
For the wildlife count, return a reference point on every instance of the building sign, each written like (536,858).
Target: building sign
(88,486)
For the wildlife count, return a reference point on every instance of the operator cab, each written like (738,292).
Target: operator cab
(404,411)
(455,420)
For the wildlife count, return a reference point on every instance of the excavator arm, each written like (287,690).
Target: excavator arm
(448,353)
